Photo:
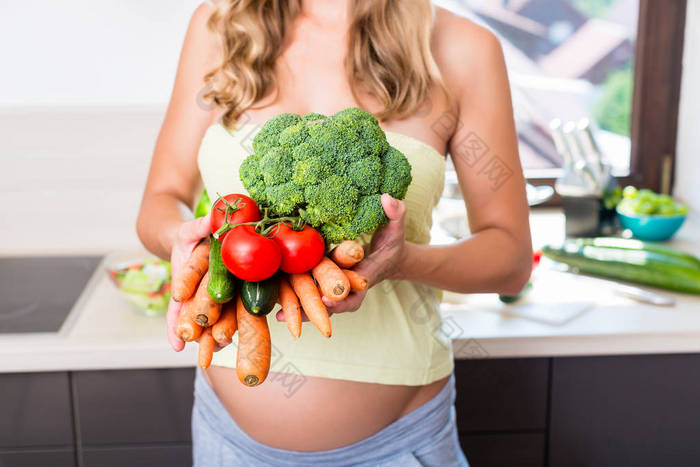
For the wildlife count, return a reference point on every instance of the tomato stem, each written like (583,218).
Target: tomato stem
(264,226)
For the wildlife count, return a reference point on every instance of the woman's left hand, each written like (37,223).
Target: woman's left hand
(387,252)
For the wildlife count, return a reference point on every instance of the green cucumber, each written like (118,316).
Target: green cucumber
(203,205)
(638,266)
(259,298)
(222,284)
(630,244)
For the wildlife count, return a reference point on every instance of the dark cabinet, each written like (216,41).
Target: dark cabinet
(140,456)
(504,449)
(35,410)
(632,410)
(139,406)
(37,458)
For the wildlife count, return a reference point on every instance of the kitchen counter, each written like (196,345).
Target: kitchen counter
(104,332)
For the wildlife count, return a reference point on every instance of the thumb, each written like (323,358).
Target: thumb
(394,209)
(197,229)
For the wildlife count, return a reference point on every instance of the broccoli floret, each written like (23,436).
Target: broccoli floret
(331,171)
(367,174)
(268,136)
(284,198)
(397,174)
(276,165)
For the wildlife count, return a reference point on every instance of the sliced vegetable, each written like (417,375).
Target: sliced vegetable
(310,298)
(347,254)
(185,284)
(639,266)
(291,308)
(222,284)
(259,298)
(301,250)
(331,280)
(254,347)
(249,255)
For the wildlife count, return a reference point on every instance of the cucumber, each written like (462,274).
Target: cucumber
(638,266)
(203,205)
(629,244)
(259,298)
(222,284)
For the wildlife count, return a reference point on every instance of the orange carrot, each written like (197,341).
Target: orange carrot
(224,329)
(206,311)
(187,329)
(290,308)
(254,347)
(331,280)
(184,285)
(310,298)
(348,254)
(357,281)
(206,349)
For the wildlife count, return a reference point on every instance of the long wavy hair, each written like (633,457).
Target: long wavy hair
(388,55)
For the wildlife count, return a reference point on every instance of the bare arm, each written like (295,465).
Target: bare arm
(498,255)
(173,180)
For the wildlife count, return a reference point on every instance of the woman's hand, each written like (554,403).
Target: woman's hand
(387,251)
(188,236)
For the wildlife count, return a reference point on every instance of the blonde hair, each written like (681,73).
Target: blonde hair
(388,55)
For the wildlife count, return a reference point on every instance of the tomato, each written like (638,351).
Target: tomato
(301,250)
(248,212)
(249,255)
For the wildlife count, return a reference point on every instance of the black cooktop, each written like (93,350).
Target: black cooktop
(37,293)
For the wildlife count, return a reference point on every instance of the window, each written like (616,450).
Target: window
(617,62)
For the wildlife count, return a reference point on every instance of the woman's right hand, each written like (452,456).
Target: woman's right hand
(188,236)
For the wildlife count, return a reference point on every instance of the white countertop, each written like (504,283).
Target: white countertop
(104,332)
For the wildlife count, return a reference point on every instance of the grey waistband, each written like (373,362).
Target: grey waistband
(407,434)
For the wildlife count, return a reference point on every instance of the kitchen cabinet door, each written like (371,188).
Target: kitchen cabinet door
(140,456)
(504,450)
(628,410)
(35,410)
(37,457)
(501,394)
(134,406)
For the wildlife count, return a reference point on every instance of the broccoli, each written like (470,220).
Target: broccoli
(330,171)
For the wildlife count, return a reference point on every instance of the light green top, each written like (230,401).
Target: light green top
(396,336)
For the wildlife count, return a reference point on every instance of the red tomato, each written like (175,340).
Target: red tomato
(249,255)
(248,212)
(301,250)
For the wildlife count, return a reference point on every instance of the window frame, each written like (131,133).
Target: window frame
(658,69)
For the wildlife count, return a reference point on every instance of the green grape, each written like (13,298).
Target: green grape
(665,200)
(645,207)
(645,194)
(680,209)
(667,210)
(629,192)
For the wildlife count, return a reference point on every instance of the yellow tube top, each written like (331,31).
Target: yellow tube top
(395,337)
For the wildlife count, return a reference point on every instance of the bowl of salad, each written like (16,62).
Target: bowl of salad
(144,281)
(650,216)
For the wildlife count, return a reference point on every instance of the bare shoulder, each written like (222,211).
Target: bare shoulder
(464,51)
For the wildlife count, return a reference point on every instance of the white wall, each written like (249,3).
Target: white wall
(687,185)
(86,52)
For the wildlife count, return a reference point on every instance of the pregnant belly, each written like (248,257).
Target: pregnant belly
(321,414)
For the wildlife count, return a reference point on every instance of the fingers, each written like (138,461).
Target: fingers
(350,303)
(171,320)
(195,230)
(394,209)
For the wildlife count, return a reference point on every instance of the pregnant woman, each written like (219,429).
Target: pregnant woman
(381,390)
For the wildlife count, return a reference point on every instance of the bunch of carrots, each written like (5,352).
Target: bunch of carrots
(211,323)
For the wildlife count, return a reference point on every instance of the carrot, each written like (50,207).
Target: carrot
(206,349)
(224,329)
(357,281)
(254,347)
(348,254)
(206,311)
(310,298)
(187,329)
(184,285)
(290,308)
(331,280)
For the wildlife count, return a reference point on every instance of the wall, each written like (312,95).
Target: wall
(688,150)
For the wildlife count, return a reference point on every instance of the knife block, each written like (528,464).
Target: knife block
(587,216)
